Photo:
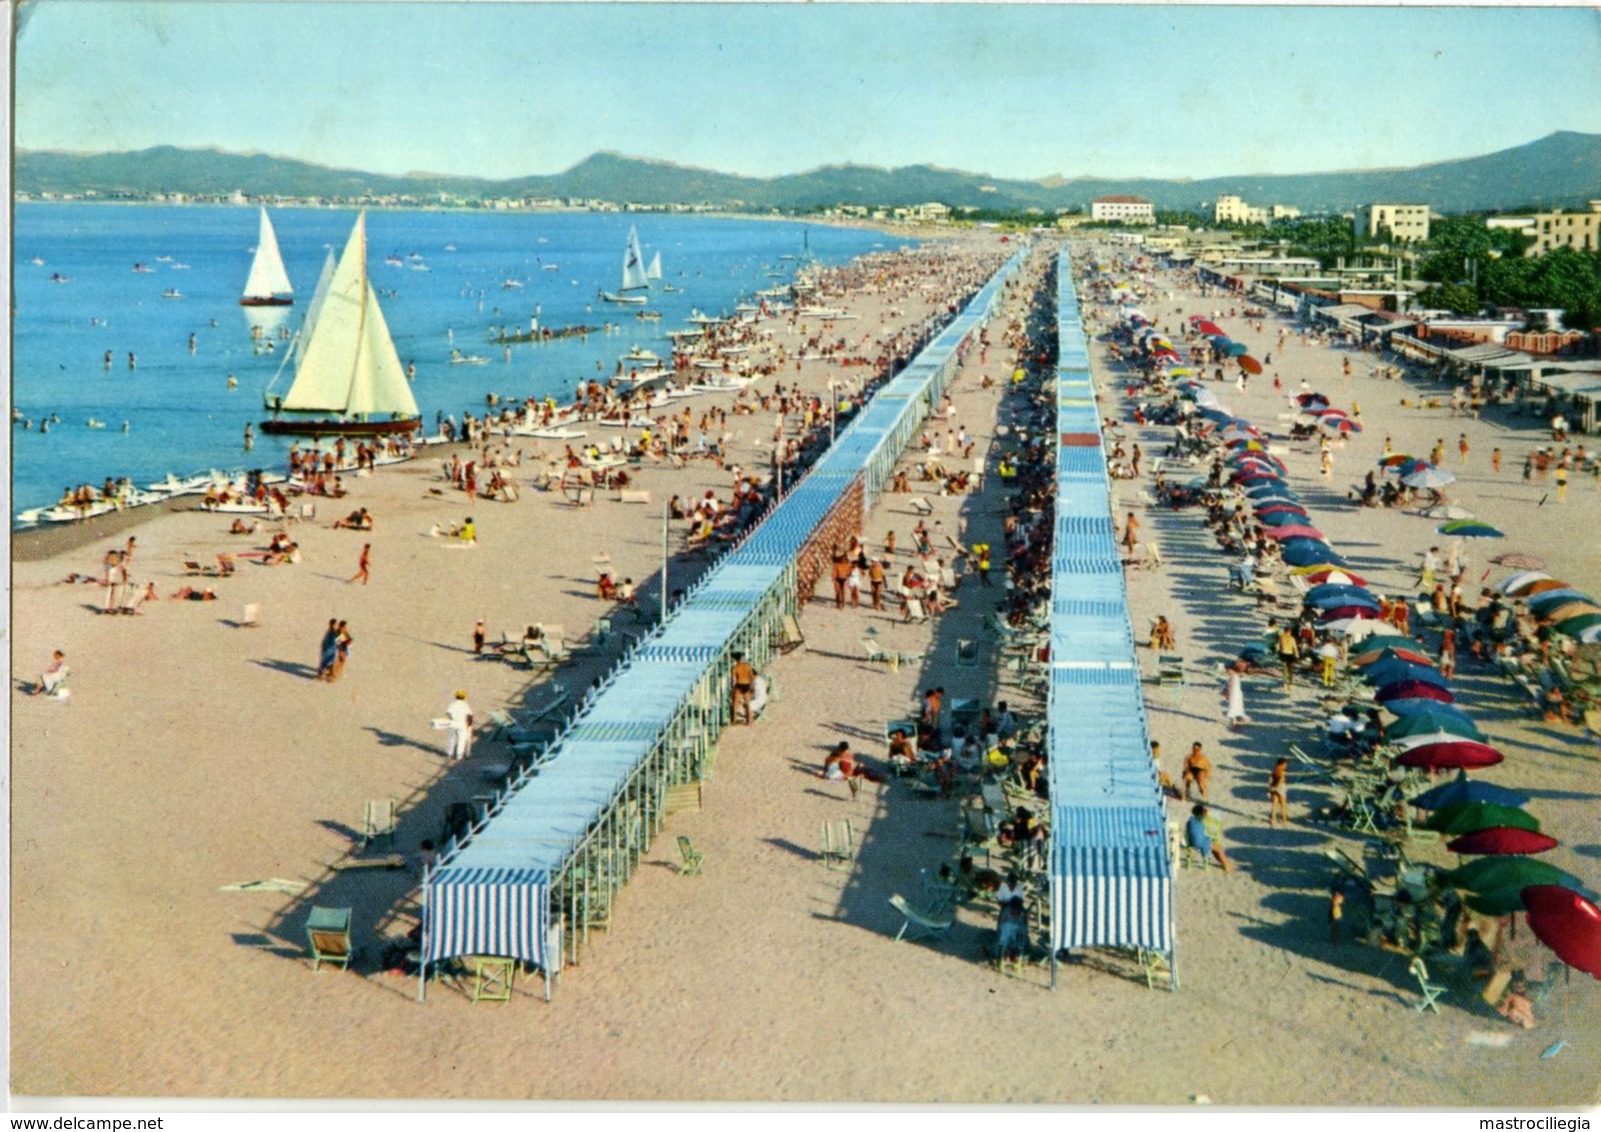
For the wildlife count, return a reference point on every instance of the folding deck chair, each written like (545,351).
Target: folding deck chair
(917,924)
(1170,673)
(492,978)
(379,820)
(690,859)
(1430,991)
(839,844)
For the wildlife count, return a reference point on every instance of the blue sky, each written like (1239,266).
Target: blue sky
(1027,91)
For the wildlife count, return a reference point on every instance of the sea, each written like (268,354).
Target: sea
(132,356)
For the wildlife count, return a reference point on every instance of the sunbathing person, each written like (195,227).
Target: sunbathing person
(240,527)
(189,593)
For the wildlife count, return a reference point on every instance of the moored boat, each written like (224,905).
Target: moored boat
(268,284)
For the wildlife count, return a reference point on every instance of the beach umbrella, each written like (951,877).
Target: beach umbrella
(1207,326)
(1288,516)
(1498,902)
(1402,651)
(1180,371)
(1305,552)
(1331,594)
(1488,874)
(1396,459)
(1444,756)
(1518,561)
(1544,603)
(1514,585)
(1281,507)
(1328,411)
(1432,726)
(1589,636)
(1417,705)
(1501,840)
(1395,671)
(1340,424)
(1347,613)
(1235,432)
(1362,630)
(1294,531)
(1212,411)
(1567,923)
(1568,609)
(1317,575)
(1414,689)
(1470,817)
(1469,528)
(1430,477)
(1250,365)
(1584,623)
(1306,400)
(1465,789)
(1446,511)
(1542,586)
(1237,349)
(1350,627)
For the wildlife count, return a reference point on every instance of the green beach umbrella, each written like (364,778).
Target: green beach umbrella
(1470,817)
(1426,723)
(1573,626)
(1490,873)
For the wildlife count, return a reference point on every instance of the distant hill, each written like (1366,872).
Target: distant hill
(1563,169)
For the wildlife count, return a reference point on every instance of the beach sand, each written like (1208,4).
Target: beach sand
(195,755)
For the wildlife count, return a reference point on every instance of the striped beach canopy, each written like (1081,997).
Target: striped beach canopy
(1111,879)
(489,911)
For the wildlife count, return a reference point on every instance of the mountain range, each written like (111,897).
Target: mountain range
(1560,170)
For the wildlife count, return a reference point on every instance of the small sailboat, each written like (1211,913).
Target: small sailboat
(347,373)
(268,285)
(653,273)
(634,277)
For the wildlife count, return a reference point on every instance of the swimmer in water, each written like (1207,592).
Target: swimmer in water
(125,426)
(191,343)
(132,361)
(108,359)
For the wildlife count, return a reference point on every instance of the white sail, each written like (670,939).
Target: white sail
(267,275)
(655,270)
(315,309)
(634,265)
(348,364)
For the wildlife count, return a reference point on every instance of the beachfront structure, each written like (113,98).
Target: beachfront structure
(1405,223)
(1580,231)
(1230,209)
(1123,209)
(1111,871)
(545,861)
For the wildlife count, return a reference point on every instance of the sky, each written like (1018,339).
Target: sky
(1015,91)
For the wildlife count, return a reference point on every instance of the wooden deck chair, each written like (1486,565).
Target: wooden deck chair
(877,654)
(1155,965)
(685,796)
(790,636)
(379,820)
(1170,673)
(1308,765)
(1430,991)
(918,924)
(492,978)
(839,844)
(690,859)
(328,935)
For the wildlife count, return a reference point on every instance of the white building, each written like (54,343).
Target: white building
(1229,209)
(1578,230)
(1124,209)
(1405,223)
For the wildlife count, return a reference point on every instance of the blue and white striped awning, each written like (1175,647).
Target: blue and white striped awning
(1112,896)
(488,912)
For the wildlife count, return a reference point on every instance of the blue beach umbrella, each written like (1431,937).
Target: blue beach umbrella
(1465,789)
(1332,593)
(1418,706)
(1555,599)
(1305,552)
(1282,518)
(1395,671)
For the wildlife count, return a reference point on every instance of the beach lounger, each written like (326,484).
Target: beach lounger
(1170,673)
(921,505)
(839,844)
(790,636)
(876,653)
(690,859)
(918,924)
(379,820)
(328,935)
(55,683)
(626,496)
(1430,991)
(1317,770)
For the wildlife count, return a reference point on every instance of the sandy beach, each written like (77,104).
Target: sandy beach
(196,759)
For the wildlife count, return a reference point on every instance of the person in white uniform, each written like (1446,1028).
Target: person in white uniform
(460,714)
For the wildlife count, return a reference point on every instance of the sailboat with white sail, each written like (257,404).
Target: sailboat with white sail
(634,274)
(348,378)
(653,273)
(268,284)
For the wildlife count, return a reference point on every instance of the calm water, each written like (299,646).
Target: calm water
(181,414)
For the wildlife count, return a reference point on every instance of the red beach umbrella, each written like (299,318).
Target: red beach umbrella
(1348,612)
(1414,689)
(1296,530)
(1206,326)
(1462,753)
(1567,923)
(1331,573)
(1502,840)
(1250,365)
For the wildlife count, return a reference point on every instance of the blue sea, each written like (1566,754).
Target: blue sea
(181,414)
